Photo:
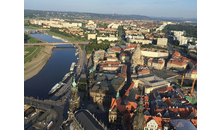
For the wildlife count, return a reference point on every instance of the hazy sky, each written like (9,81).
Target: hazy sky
(157,8)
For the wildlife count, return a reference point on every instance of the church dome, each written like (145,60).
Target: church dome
(137,53)
(137,58)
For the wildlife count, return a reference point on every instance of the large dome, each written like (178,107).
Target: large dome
(137,58)
(137,53)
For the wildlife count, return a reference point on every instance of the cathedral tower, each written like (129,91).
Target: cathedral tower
(74,100)
(139,120)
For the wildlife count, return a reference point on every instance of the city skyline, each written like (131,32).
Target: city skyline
(151,8)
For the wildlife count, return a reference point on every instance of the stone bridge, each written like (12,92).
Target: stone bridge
(41,30)
(56,43)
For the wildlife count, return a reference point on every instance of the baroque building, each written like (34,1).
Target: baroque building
(137,58)
(139,119)
(105,88)
(91,76)
(74,101)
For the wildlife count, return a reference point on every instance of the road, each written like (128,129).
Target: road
(56,106)
(82,62)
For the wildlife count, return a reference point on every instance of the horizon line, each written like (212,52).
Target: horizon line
(118,14)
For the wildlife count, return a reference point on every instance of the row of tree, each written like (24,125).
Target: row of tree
(120,31)
(94,45)
(56,30)
(191,31)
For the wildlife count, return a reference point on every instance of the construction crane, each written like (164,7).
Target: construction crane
(183,77)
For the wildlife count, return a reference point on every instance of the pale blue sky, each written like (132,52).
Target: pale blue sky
(156,8)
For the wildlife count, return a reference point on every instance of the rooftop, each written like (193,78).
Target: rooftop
(107,83)
(153,81)
(182,124)
(87,121)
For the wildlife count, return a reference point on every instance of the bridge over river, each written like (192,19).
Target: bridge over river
(56,43)
(35,30)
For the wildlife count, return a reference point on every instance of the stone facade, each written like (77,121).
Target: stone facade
(104,88)
(91,36)
(139,119)
(74,100)
(162,42)
(137,58)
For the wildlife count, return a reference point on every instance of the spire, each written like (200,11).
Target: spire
(117,95)
(140,103)
(93,68)
(140,107)
(73,83)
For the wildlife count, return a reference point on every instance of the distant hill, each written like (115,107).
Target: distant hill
(75,15)
(177,19)
(66,14)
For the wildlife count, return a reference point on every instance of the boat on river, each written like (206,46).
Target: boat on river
(66,76)
(72,66)
(55,87)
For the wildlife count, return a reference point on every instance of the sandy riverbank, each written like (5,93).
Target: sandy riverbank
(34,67)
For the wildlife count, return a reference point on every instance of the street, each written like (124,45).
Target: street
(82,62)
(52,105)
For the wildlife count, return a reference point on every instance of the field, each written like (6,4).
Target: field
(32,52)
(61,36)
(30,27)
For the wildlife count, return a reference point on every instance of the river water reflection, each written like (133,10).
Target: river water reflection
(53,72)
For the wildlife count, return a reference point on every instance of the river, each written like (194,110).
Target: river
(53,72)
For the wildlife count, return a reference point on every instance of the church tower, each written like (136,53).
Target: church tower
(91,76)
(139,120)
(74,100)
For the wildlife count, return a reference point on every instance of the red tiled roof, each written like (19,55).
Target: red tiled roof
(128,91)
(194,122)
(178,63)
(123,54)
(170,88)
(194,71)
(158,120)
(99,28)
(162,90)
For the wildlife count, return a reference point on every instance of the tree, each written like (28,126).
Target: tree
(176,42)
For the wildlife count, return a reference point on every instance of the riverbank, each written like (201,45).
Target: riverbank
(71,39)
(37,63)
